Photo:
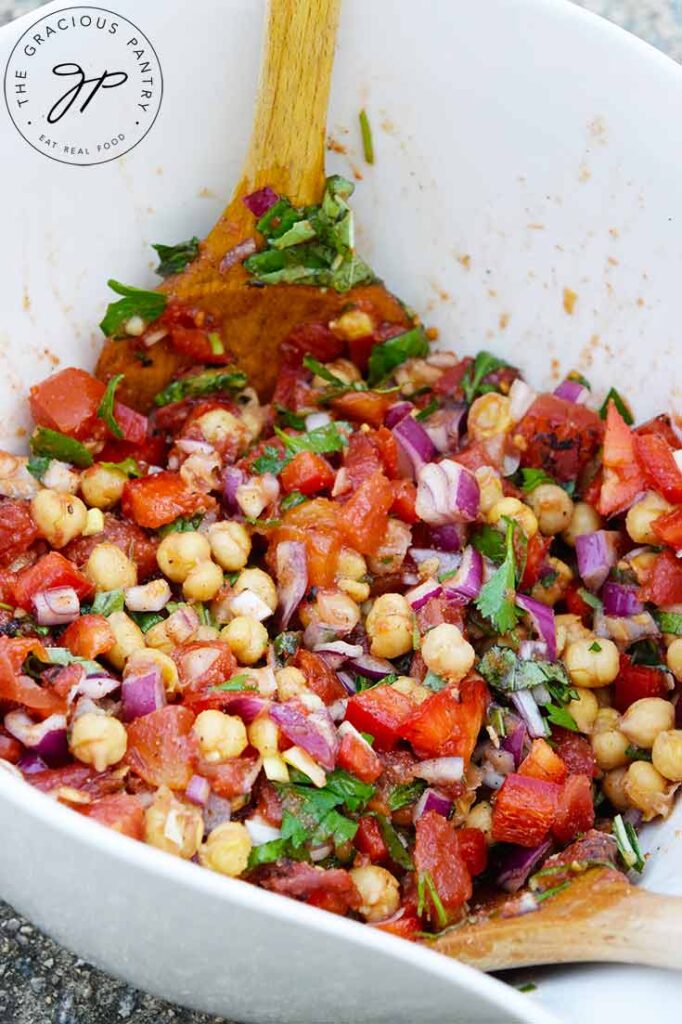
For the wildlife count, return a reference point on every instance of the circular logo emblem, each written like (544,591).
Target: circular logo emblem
(83,85)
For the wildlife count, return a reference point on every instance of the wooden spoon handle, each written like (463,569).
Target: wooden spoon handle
(600,917)
(287,143)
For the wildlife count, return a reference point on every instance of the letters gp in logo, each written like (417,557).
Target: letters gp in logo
(83,85)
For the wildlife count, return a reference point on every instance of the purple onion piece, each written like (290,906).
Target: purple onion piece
(347,681)
(46,739)
(519,863)
(543,621)
(466,584)
(31,763)
(514,740)
(141,694)
(372,668)
(397,412)
(533,650)
(572,391)
(260,201)
(620,599)
(247,708)
(315,732)
(198,791)
(446,493)
(232,479)
(418,596)
(447,561)
(451,537)
(237,254)
(431,800)
(292,577)
(525,704)
(217,811)
(440,770)
(444,427)
(56,607)
(414,442)
(596,553)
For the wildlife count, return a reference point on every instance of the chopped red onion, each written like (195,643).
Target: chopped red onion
(451,537)
(250,604)
(397,412)
(198,791)
(466,584)
(292,577)
(620,599)
(414,442)
(533,650)
(142,693)
(341,648)
(232,479)
(347,681)
(31,763)
(521,397)
(94,687)
(524,702)
(260,201)
(56,607)
(511,462)
(542,617)
(317,633)
(260,831)
(446,493)
(418,596)
(372,668)
(625,629)
(492,779)
(191,447)
(247,708)
(519,863)
(217,811)
(321,853)
(597,553)
(440,770)
(447,561)
(47,739)
(572,391)
(444,426)
(541,695)
(515,738)
(337,710)
(315,732)
(431,800)
(237,254)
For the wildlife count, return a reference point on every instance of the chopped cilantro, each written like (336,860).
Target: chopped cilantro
(433,682)
(426,889)
(215,341)
(310,815)
(264,524)
(496,601)
(237,684)
(108,601)
(320,440)
(366,135)
(286,644)
(351,791)
(266,853)
(528,986)
(63,656)
(574,375)
(669,622)
(554,891)
(174,258)
(183,524)
(53,445)
(405,794)
(394,844)
(532,478)
(558,715)
(129,466)
(636,753)
(628,844)
(620,404)
(145,620)
(106,407)
(387,355)
(595,646)
(505,671)
(472,382)
(135,302)
(490,542)
(272,460)
(38,466)
(496,721)
(590,599)
(432,407)
(292,499)
(290,419)
(205,383)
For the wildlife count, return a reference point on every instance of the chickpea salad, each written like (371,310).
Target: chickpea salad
(403,643)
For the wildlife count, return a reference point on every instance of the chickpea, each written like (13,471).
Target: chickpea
(379,892)
(334,608)
(553,508)
(94,522)
(173,826)
(666,754)
(139,659)
(641,564)
(447,653)
(101,486)
(550,589)
(512,508)
(353,324)
(490,488)
(220,736)
(109,568)
(357,591)
(646,788)
(60,477)
(351,565)
(613,785)
(569,628)
(58,517)
(673,658)
(609,746)
(481,817)
(247,639)
(264,735)
(208,633)
(389,626)
(584,519)
(157,638)
(390,554)
(148,597)
(642,514)
(489,415)
(416,373)
(98,740)
(644,719)
(230,545)
(592,663)
(260,584)
(409,687)
(129,638)
(178,553)
(584,709)
(202,582)
(290,683)
(219,426)
(300,759)
(227,849)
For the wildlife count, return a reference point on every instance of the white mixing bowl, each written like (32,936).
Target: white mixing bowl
(523,148)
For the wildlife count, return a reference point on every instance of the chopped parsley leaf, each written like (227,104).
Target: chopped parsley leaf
(590,599)
(272,460)
(532,478)
(108,601)
(290,419)
(628,844)
(433,682)
(174,258)
(505,671)
(393,842)
(636,753)
(595,646)
(202,384)
(183,524)
(426,888)
(135,302)
(286,644)
(145,620)
(292,499)
(237,684)
(53,445)
(496,601)
(106,408)
(320,440)
(558,715)
(366,135)
(620,404)
(668,622)
(405,794)
(128,466)
(386,356)
(490,542)
(484,364)
(433,406)
(38,466)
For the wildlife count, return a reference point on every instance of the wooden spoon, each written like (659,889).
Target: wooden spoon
(286,151)
(600,917)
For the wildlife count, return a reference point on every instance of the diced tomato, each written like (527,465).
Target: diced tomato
(132,424)
(437,851)
(592,486)
(370,452)
(536,556)
(269,805)
(201,665)
(368,839)
(161,748)
(663,585)
(524,810)
(543,763)
(312,339)
(231,779)
(156,500)
(315,523)
(404,923)
(10,749)
(437,610)
(561,437)
(17,529)
(623,478)
(668,528)
(473,849)
(404,501)
(121,812)
(20,689)
(359,759)
(575,751)
(50,571)
(381,712)
(655,457)
(194,342)
(575,604)
(363,520)
(89,636)
(575,809)
(447,724)
(449,382)
(362,407)
(319,677)
(68,402)
(635,682)
(66,679)
(131,539)
(308,473)
(660,427)
(77,776)
(152,451)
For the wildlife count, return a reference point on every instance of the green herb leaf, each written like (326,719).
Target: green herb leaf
(215,341)
(528,986)
(286,644)
(628,844)
(292,499)
(145,620)
(426,890)
(432,407)
(204,383)
(108,601)
(366,135)
(620,404)
(574,375)
(496,601)
(106,407)
(183,524)
(129,466)
(558,715)
(63,656)
(237,684)
(271,461)
(554,891)
(174,258)
(405,794)
(320,440)
(38,466)
(353,793)
(394,844)
(590,599)
(290,419)
(267,853)
(53,445)
(484,364)
(433,682)
(388,355)
(668,622)
(505,671)
(532,478)
(490,542)
(135,302)
(637,753)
